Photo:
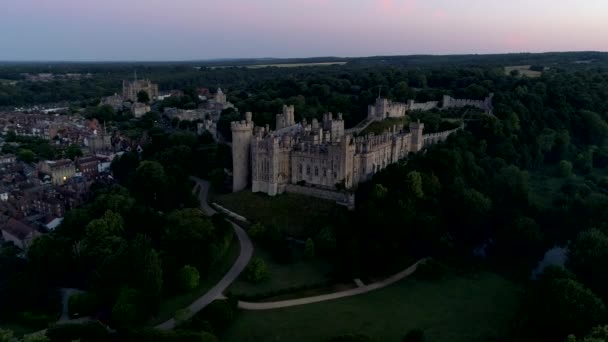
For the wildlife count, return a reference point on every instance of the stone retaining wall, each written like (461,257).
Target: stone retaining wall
(341,198)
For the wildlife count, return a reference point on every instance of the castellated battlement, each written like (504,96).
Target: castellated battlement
(241,126)
(319,154)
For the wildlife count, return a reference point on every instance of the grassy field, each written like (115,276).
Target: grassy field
(169,305)
(524,70)
(381,126)
(294,214)
(457,309)
(283,276)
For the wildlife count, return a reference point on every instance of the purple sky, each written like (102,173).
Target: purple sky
(201,29)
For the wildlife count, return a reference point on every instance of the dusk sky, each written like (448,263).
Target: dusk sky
(202,29)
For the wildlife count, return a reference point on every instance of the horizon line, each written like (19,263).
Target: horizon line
(227,59)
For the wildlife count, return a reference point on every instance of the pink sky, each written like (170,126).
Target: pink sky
(199,29)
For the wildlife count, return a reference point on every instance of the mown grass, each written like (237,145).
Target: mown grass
(379,127)
(283,276)
(476,308)
(296,215)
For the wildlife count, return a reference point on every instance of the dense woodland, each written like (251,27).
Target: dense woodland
(468,203)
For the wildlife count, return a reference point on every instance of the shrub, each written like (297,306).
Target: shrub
(257,230)
(565,169)
(188,278)
(82,304)
(256,271)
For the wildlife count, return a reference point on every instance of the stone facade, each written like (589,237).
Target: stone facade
(320,154)
(130,89)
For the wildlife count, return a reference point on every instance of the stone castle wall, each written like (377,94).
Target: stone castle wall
(343,198)
(322,154)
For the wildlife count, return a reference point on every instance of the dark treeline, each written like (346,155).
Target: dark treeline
(107,77)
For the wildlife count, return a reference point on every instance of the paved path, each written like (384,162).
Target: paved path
(347,293)
(236,269)
(66,293)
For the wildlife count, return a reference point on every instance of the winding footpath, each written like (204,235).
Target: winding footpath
(330,296)
(246,251)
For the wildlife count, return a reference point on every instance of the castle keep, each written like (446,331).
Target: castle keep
(322,155)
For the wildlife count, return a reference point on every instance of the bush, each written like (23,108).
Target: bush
(414,335)
(257,230)
(86,332)
(188,278)
(82,305)
(565,169)
(256,271)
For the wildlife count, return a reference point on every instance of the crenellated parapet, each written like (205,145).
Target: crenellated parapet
(485,105)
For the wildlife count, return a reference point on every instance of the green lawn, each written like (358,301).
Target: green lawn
(379,127)
(466,309)
(169,305)
(283,276)
(296,215)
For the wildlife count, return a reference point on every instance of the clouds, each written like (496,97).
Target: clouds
(188,29)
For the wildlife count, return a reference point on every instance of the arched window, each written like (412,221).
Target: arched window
(308,170)
(316,171)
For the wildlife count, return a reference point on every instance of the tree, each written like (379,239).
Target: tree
(569,307)
(73,151)
(143,97)
(597,334)
(309,249)
(188,278)
(256,271)
(26,156)
(146,274)
(125,312)
(150,182)
(565,169)
(188,239)
(414,181)
(588,258)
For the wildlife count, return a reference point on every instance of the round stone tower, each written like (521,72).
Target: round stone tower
(242,132)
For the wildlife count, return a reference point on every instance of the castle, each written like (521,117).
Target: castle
(318,158)
(130,89)
(384,108)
